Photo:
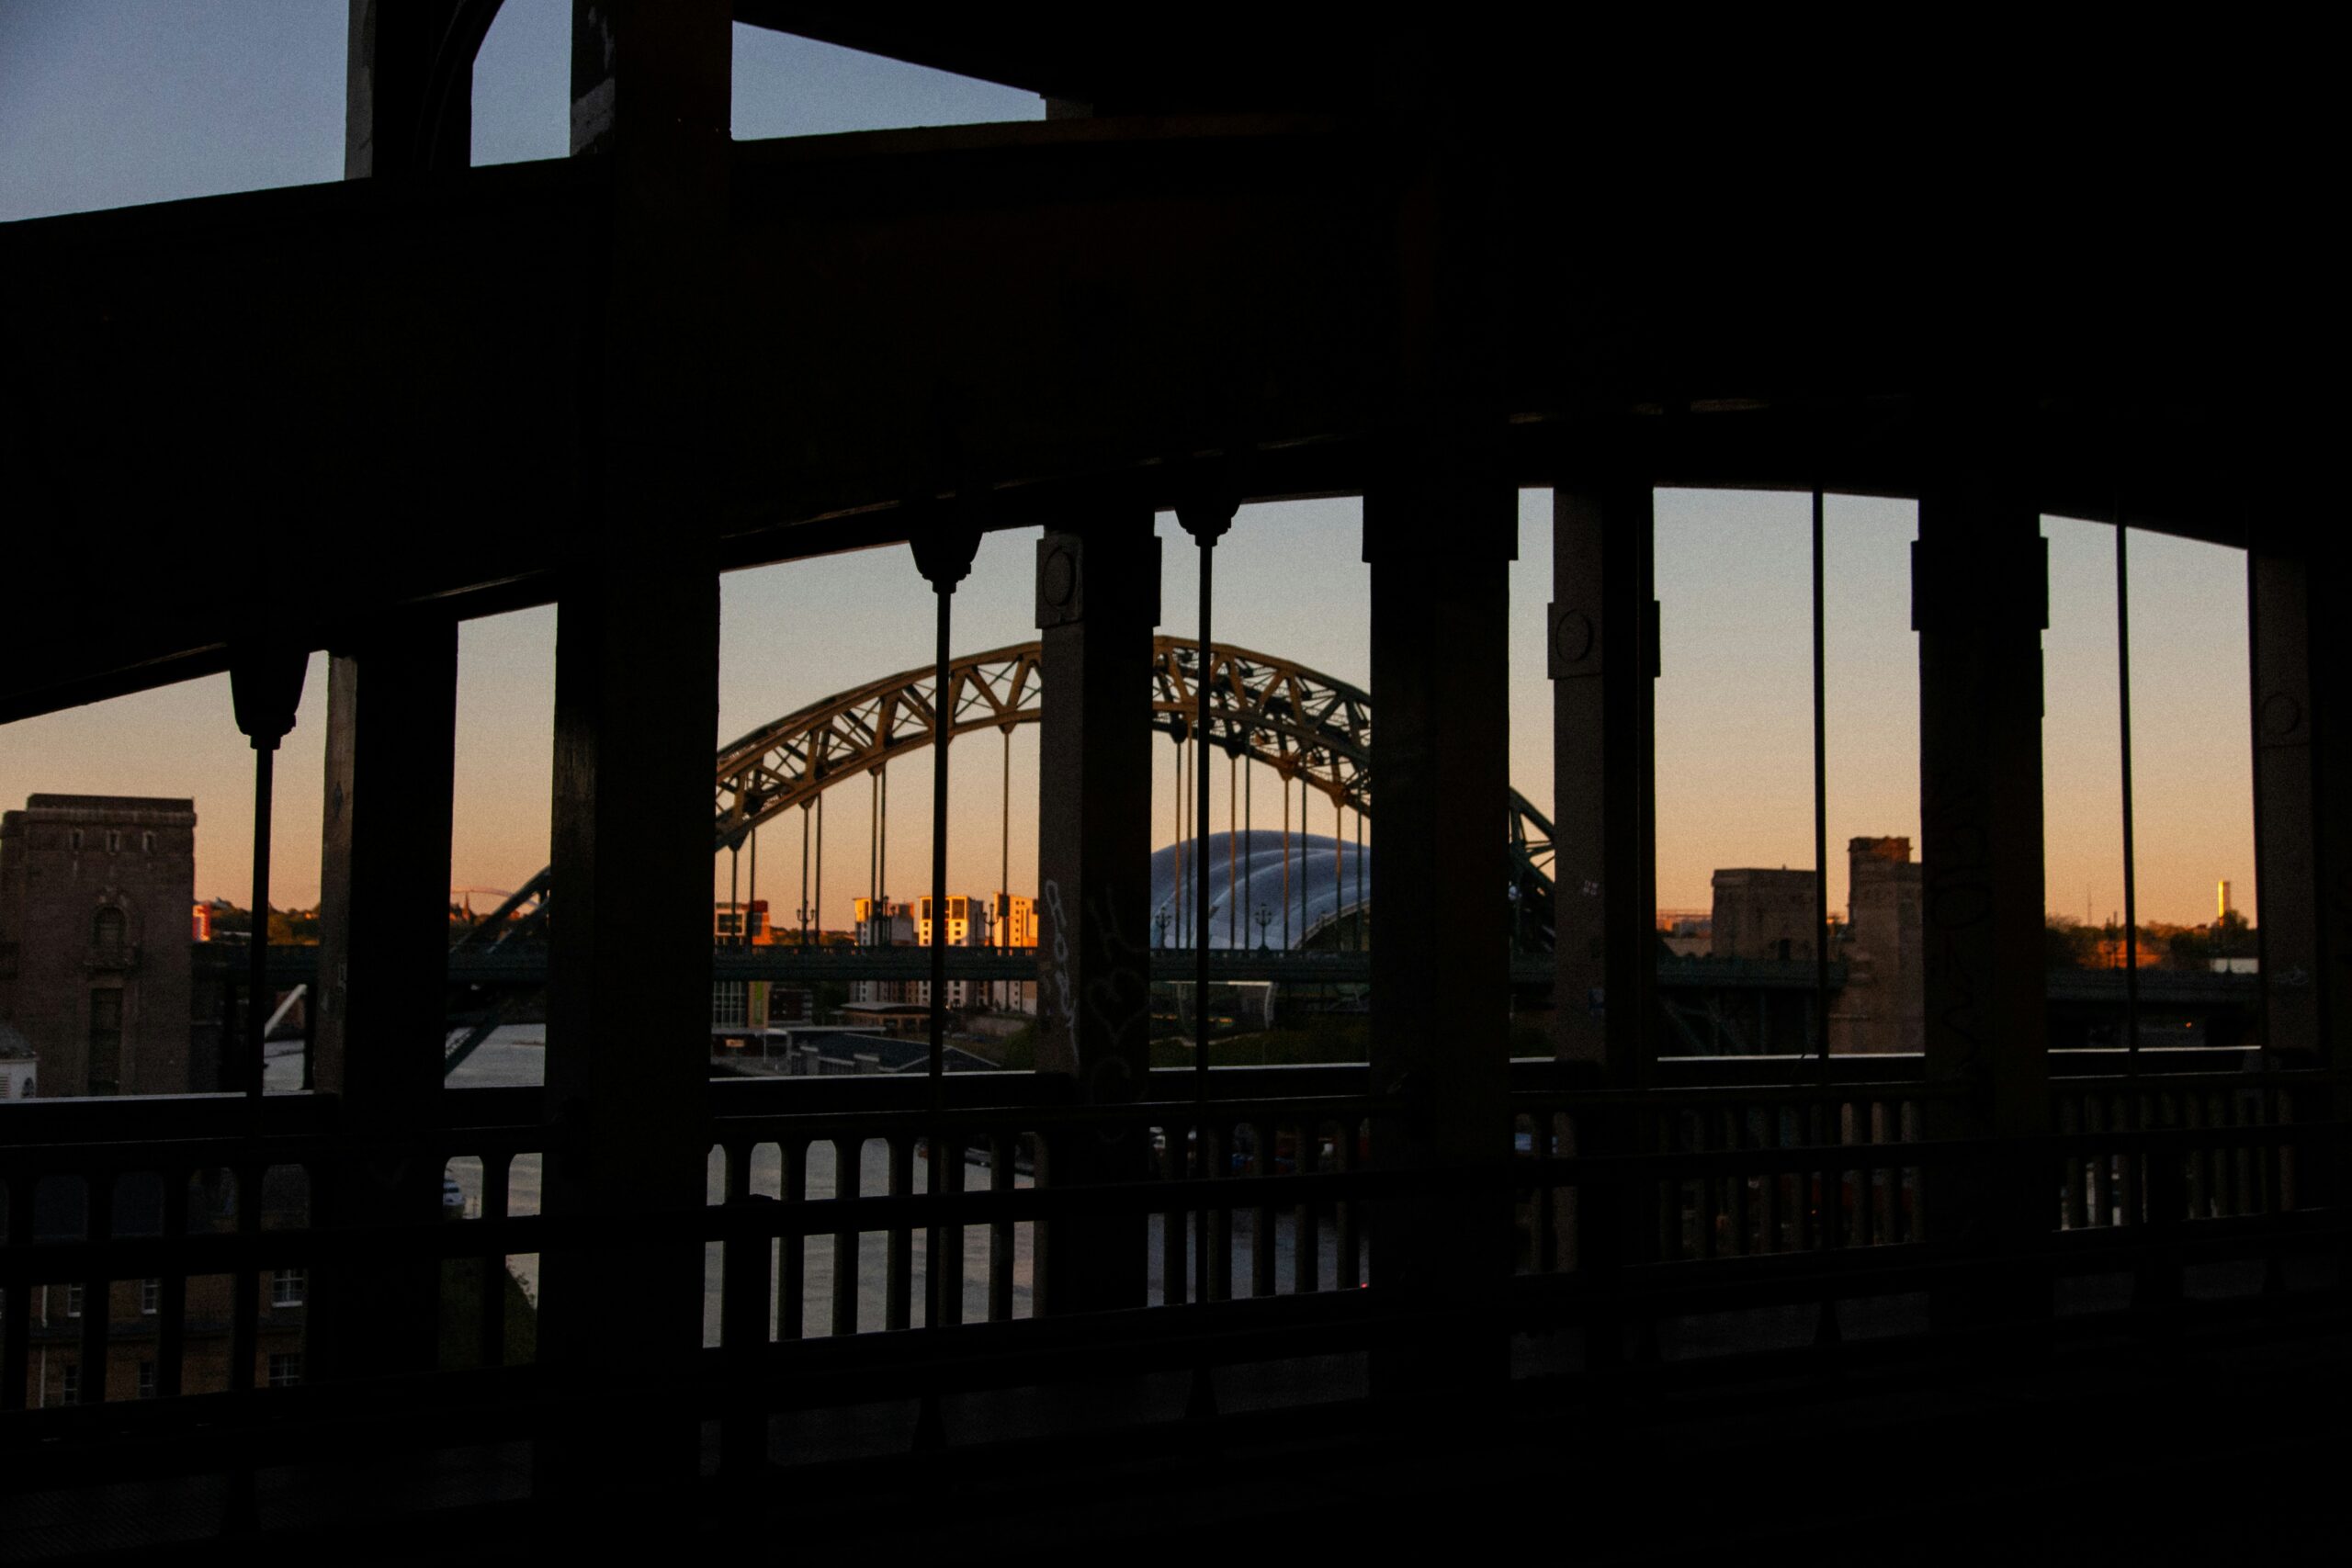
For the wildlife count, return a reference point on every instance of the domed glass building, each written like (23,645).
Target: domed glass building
(1329,884)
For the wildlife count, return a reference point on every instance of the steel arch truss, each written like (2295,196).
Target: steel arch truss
(1303,724)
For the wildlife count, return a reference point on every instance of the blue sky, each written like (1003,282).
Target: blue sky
(106,102)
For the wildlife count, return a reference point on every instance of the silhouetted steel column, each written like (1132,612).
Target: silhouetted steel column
(943,552)
(1439,535)
(1098,600)
(1206,521)
(636,706)
(408,100)
(1602,652)
(383,979)
(266,688)
(380,995)
(1980,600)
(2290,866)
(2303,829)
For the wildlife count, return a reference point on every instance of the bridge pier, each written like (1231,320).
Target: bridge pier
(1098,600)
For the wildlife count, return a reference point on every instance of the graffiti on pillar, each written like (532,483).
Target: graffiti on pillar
(1057,965)
(1118,998)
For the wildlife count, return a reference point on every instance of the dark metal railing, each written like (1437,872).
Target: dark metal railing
(1735,1184)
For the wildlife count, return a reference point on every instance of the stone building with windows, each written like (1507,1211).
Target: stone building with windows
(135,1315)
(95,963)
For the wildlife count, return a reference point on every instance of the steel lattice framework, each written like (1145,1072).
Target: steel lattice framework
(1300,722)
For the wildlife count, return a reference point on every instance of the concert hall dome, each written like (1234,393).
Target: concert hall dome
(1327,881)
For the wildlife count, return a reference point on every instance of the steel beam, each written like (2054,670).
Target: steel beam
(1438,543)
(1098,598)
(1140,290)
(2290,869)
(1979,601)
(1600,649)
(383,977)
(1601,645)
(636,692)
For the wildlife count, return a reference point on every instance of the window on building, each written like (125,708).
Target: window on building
(147,844)
(72,1301)
(69,1385)
(107,930)
(106,1040)
(730,1004)
(73,840)
(285,1368)
(114,840)
(146,1380)
(287,1286)
(151,1297)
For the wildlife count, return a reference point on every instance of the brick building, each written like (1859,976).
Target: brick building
(1763,914)
(95,963)
(1883,1004)
(136,1310)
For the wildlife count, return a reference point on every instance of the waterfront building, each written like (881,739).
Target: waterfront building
(95,968)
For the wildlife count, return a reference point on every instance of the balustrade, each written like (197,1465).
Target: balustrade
(822,1189)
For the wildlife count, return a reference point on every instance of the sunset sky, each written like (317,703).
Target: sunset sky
(101,105)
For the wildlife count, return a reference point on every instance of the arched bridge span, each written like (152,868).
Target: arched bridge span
(1300,722)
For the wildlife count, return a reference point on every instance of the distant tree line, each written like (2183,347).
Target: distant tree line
(2070,943)
(290,927)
